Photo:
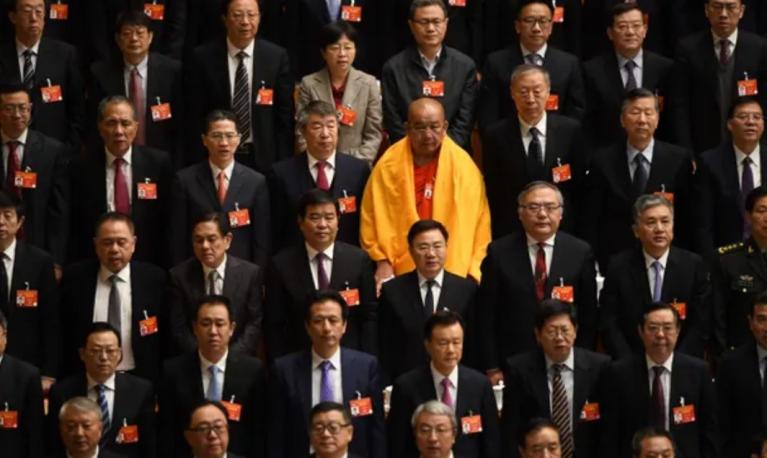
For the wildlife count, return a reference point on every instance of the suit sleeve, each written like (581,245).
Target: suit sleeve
(180,331)
(486,314)
(461,125)
(51,320)
(57,230)
(247,343)
(284,109)
(53,446)
(259,410)
(702,211)
(610,301)
(385,334)
(278,426)
(261,225)
(725,412)
(698,314)
(709,431)
(167,414)
(587,305)
(392,115)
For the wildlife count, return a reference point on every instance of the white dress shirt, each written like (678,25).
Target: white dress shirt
(20,48)
(548,250)
(541,52)
(638,60)
(756,165)
(110,175)
(9,260)
(221,271)
(330,167)
(430,64)
(648,261)
(205,371)
(334,373)
(95,454)
(761,354)
(665,379)
(233,62)
(436,288)
(214,170)
(437,379)
(109,394)
(21,143)
(527,137)
(143,72)
(733,38)
(568,380)
(101,310)
(647,153)
(327,262)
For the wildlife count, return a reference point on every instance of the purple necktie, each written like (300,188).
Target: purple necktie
(326,386)
(446,397)
(656,292)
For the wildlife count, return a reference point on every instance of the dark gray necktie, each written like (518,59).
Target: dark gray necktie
(241,98)
(29,69)
(428,302)
(640,175)
(631,82)
(113,312)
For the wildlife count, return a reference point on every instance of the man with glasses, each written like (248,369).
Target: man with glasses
(126,402)
(208,431)
(526,267)
(435,428)
(428,68)
(331,430)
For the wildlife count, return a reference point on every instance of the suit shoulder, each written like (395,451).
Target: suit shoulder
(249,173)
(473,376)
(359,356)
(522,361)
(285,257)
(502,128)
(658,60)
(150,270)
(460,58)
(22,370)
(58,47)
(563,123)
(497,59)
(136,383)
(413,377)
(751,39)
(287,167)
(165,61)
(357,164)
(398,283)
(687,257)
(670,148)
(36,255)
(572,242)
(557,55)
(176,367)
(80,269)
(690,362)
(731,249)
(502,245)
(593,357)
(462,282)
(691,43)
(269,47)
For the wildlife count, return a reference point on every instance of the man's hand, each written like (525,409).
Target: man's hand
(384,271)
(495,376)
(46,383)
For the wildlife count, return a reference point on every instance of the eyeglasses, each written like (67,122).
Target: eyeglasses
(749,116)
(553,332)
(17,108)
(538,450)
(333,428)
(624,27)
(96,352)
(205,428)
(530,21)
(221,136)
(240,15)
(30,11)
(427,22)
(440,430)
(667,328)
(535,208)
(729,7)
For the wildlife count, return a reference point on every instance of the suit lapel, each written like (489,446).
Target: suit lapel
(540,381)
(31,152)
(352,88)
(553,147)
(658,170)
(620,170)
(639,275)
(711,66)
(121,402)
(205,179)
(730,169)
(234,186)
(303,270)
(580,387)
(305,380)
(445,297)
(322,83)
(670,275)
(347,380)
(231,277)
(763,161)
(138,301)
(99,174)
(197,285)
(556,268)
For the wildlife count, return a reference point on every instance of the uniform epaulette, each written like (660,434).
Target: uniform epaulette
(730,247)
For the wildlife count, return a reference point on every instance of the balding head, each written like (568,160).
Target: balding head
(426,127)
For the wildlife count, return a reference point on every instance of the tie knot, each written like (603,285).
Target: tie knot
(534,132)
(747,161)
(724,43)
(213,369)
(101,388)
(630,65)
(535,59)
(658,370)
(541,245)
(118,162)
(319,257)
(114,278)
(430,283)
(241,55)
(558,369)
(657,265)
(326,366)
(446,383)
(28,53)
(321,165)
(221,175)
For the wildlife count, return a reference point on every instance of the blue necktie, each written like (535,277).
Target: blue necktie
(326,386)
(105,420)
(333,8)
(658,281)
(214,388)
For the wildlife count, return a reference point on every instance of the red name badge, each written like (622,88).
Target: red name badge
(351,296)
(458,3)
(552,103)
(428,191)
(561,173)
(26,298)
(51,94)
(26,180)
(433,88)
(265,96)
(346,116)
(238,218)
(128,434)
(233,410)
(148,326)
(681,309)
(563,293)
(146,191)
(154,11)
(351,13)
(471,424)
(347,204)
(59,12)
(559,14)
(361,407)
(747,87)
(161,112)
(590,411)
(9,419)
(669,196)
(684,414)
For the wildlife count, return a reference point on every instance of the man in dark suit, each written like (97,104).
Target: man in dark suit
(533,24)
(556,381)
(723,180)
(320,166)
(623,171)
(408,300)
(651,441)
(531,145)
(252,78)
(42,161)
(152,82)
(713,67)
(540,434)
(222,185)
(326,372)
(121,177)
(125,293)
(625,66)
(207,417)
(654,272)
(524,268)
(22,394)
(80,424)
(213,271)
(662,388)
(129,401)
(431,69)
(331,418)
(215,373)
(320,262)
(465,390)
(49,69)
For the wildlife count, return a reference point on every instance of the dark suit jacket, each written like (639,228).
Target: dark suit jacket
(626,294)
(57,62)
(475,397)
(194,195)
(506,171)
(88,178)
(507,294)
(495,94)
(243,287)
(272,126)
(34,333)
(78,292)
(181,388)
(290,179)
(291,401)
(697,110)
(606,222)
(134,404)
(289,288)
(165,82)
(401,318)
(526,396)
(605,93)
(627,406)
(22,392)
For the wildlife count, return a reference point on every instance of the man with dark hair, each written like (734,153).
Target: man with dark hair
(205,418)
(465,390)
(214,373)
(408,300)
(320,262)
(331,430)
(221,184)
(321,166)
(116,289)
(126,401)
(327,371)
(213,271)
(557,381)
(653,442)
(663,388)
(540,435)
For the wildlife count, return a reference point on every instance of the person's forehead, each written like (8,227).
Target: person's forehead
(324,207)
(655,211)
(206,228)
(426,111)
(325,308)
(749,107)
(222,125)
(315,117)
(447,330)
(536,8)
(428,236)
(529,78)
(113,228)
(207,414)
(75,414)
(331,415)
(14,96)
(102,338)
(22,3)
(429,11)
(661,315)
(427,418)
(236,5)
(132,27)
(213,310)
(540,194)
(642,102)
(760,201)
(557,320)
(629,16)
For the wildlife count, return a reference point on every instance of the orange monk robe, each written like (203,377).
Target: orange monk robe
(459,203)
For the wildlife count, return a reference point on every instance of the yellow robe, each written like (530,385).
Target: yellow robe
(388,209)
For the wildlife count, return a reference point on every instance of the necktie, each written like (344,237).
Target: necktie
(326,386)
(540,273)
(322,276)
(4,306)
(640,175)
(535,156)
(764,394)
(241,99)
(11,169)
(746,186)
(535,59)
(333,9)
(428,302)
(212,277)
(560,411)
(29,69)
(322,178)
(214,387)
(447,398)
(113,312)
(631,82)
(221,187)
(656,292)
(658,404)
(724,51)
(136,95)
(122,203)
(106,421)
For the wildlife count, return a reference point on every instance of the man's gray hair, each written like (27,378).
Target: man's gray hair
(647,201)
(524,69)
(83,404)
(434,407)
(111,100)
(532,186)
(315,107)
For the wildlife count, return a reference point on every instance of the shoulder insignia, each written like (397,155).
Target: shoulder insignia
(730,247)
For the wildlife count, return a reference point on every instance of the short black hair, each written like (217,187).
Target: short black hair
(758,299)
(423,4)
(740,101)
(114,217)
(549,308)
(524,3)
(225,6)
(11,200)
(533,426)
(327,295)
(333,32)
(654,307)
(11,87)
(423,225)
(220,115)
(753,196)
(623,8)
(314,197)
(442,317)
(204,403)
(214,299)
(97,327)
(647,432)
(221,222)
(330,406)
(132,18)
(639,93)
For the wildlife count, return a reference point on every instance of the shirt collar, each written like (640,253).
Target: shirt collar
(667,364)
(638,59)
(232,50)
(648,260)
(761,353)
(569,363)
(548,242)
(20,48)
(220,269)
(312,253)
(22,138)
(141,67)
(754,156)
(647,152)
(437,278)
(437,376)
(10,252)
(221,364)
(331,161)
(427,61)
(541,52)
(733,38)
(334,359)
(95,454)
(109,383)
(123,275)
(227,170)
(126,157)
(540,125)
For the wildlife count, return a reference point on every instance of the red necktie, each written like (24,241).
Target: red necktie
(221,187)
(11,169)
(724,51)
(122,202)
(136,96)
(322,179)
(540,273)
